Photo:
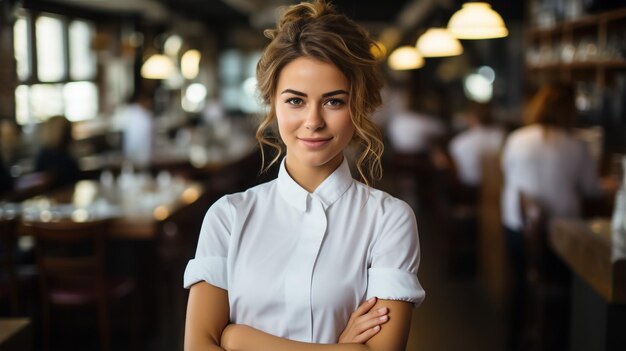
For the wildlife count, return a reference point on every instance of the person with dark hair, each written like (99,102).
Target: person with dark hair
(470,146)
(9,139)
(313,260)
(6,181)
(55,156)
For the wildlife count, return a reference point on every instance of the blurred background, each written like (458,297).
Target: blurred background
(122,121)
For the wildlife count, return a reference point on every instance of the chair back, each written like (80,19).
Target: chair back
(70,253)
(8,247)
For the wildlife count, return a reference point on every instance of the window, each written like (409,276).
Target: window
(238,82)
(58,77)
(20,48)
(50,49)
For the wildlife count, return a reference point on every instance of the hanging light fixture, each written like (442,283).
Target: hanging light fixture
(477,20)
(158,66)
(405,58)
(438,42)
(190,64)
(378,50)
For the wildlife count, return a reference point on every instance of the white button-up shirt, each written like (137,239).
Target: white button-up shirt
(554,168)
(297,264)
(469,147)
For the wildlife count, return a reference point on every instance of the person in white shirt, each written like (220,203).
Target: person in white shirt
(546,161)
(413,133)
(468,148)
(138,130)
(313,260)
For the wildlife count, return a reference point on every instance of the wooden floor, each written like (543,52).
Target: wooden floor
(456,314)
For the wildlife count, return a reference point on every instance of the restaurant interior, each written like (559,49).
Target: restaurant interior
(126,119)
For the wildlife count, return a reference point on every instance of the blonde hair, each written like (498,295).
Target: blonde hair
(317,31)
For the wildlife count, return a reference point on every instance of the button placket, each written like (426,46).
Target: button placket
(299,275)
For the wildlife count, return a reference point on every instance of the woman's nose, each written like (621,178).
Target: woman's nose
(314,120)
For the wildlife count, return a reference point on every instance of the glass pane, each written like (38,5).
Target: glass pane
(21,47)
(50,49)
(230,67)
(46,100)
(22,109)
(82,57)
(81,100)
(253,59)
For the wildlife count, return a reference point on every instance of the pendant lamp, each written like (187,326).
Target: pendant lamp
(477,20)
(438,42)
(405,58)
(158,66)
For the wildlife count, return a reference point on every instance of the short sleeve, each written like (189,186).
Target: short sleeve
(209,264)
(395,257)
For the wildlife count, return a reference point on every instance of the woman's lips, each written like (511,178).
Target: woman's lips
(314,142)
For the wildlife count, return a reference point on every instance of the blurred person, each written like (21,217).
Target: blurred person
(415,133)
(546,161)
(470,146)
(8,140)
(138,129)
(416,129)
(6,181)
(55,157)
(265,275)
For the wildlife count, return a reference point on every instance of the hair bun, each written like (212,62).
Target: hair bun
(299,15)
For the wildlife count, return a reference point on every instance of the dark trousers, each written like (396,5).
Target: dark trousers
(517,306)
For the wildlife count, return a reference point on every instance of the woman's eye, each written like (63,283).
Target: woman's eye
(335,102)
(294,101)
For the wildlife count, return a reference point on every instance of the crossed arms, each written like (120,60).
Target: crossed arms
(207,327)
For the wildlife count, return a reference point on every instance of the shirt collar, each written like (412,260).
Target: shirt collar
(331,189)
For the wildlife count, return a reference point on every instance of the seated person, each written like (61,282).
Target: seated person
(6,181)
(55,157)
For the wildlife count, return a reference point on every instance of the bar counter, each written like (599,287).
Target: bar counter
(598,303)
(587,248)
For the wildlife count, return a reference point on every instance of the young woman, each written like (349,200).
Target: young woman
(313,258)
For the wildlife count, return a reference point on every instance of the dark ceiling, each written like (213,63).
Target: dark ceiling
(222,15)
(219,12)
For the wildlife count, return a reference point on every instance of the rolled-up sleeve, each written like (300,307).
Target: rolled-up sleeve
(209,263)
(395,258)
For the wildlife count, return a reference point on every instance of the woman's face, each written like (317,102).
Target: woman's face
(313,114)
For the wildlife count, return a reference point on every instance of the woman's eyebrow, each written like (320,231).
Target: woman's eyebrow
(295,92)
(335,92)
(299,93)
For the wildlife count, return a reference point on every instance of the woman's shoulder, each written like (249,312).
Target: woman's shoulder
(251,194)
(381,201)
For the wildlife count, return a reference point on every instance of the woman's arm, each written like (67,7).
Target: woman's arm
(391,337)
(207,316)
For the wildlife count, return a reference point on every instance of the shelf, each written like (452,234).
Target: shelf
(585,21)
(613,64)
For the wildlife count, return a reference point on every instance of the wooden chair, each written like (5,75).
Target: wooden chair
(71,260)
(547,282)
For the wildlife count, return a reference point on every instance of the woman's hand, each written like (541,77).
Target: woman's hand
(364,323)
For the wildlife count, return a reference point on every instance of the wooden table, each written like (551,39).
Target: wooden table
(599,284)
(15,334)
(130,221)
